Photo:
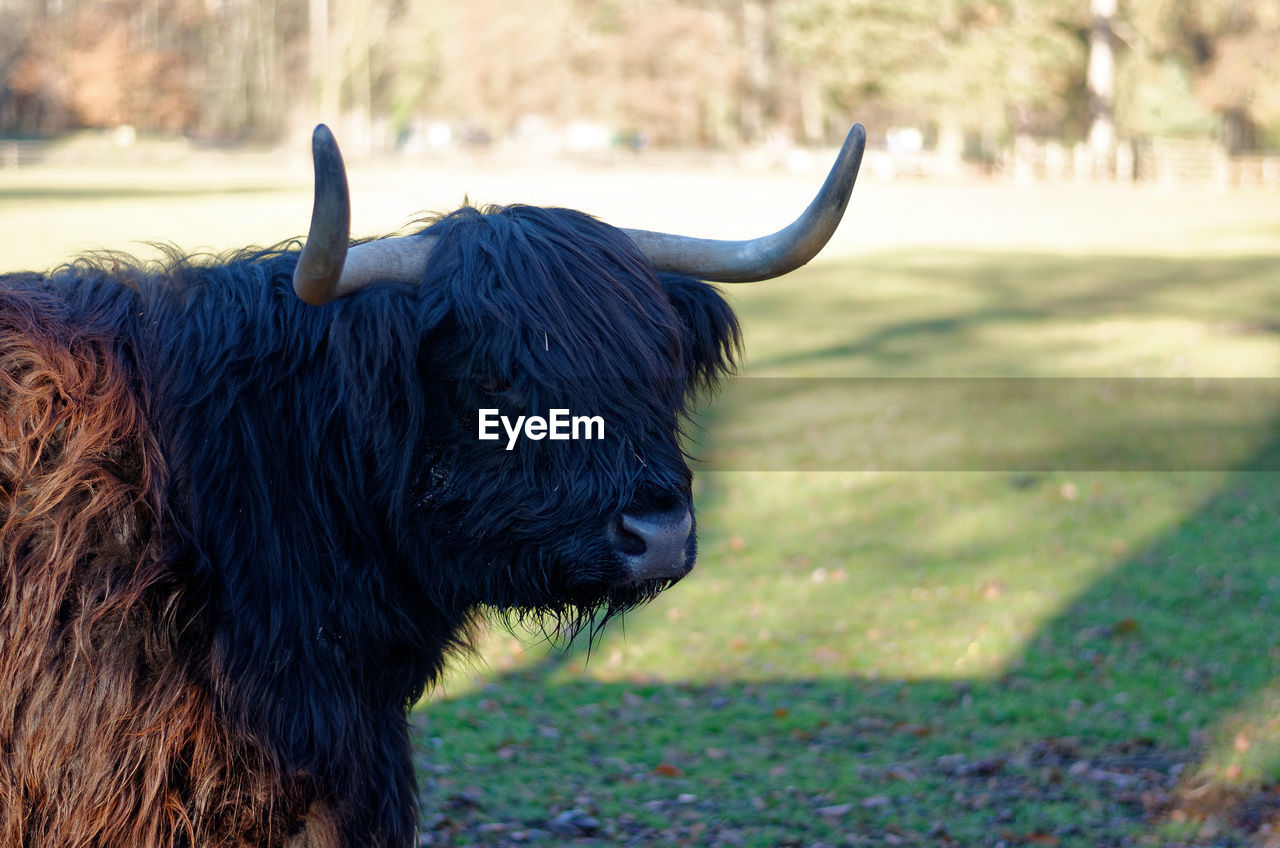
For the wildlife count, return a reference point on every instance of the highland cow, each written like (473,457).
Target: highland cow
(245,515)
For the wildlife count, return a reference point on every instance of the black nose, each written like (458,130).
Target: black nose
(653,545)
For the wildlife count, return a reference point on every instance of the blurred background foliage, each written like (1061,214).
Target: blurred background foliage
(971,75)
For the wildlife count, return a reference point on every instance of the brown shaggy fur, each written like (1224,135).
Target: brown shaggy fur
(109,733)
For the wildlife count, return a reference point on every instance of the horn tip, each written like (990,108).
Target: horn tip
(323,143)
(857,136)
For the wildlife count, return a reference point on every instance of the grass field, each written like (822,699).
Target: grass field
(1043,656)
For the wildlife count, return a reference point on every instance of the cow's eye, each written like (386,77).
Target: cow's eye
(501,393)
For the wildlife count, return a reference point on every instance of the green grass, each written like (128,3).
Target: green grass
(1106,642)
(1054,656)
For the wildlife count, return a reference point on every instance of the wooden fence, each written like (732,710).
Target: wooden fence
(20,154)
(1176,163)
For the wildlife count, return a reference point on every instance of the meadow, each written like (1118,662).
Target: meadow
(980,640)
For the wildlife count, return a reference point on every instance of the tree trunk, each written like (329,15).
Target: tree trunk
(755,105)
(1102,88)
(324,78)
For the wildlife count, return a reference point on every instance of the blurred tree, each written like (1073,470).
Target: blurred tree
(759,90)
(1204,67)
(246,66)
(1240,78)
(33,96)
(998,66)
(496,63)
(675,71)
(661,68)
(353,66)
(104,63)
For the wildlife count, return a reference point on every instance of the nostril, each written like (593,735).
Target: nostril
(653,544)
(625,540)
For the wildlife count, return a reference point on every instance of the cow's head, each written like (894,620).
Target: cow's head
(533,310)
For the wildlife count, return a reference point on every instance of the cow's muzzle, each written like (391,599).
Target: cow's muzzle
(653,545)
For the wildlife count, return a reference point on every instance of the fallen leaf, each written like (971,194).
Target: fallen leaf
(899,773)
(920,731)
(939,833)
(1124,625)
(1034,838)
(825,655)
(987,767)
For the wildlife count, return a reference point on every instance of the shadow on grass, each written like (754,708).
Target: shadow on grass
(1094,736)
(1103,730)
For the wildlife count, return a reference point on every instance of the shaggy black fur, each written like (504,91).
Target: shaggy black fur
(325,523)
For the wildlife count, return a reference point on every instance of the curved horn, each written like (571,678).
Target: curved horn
(327,270)
(769,256)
